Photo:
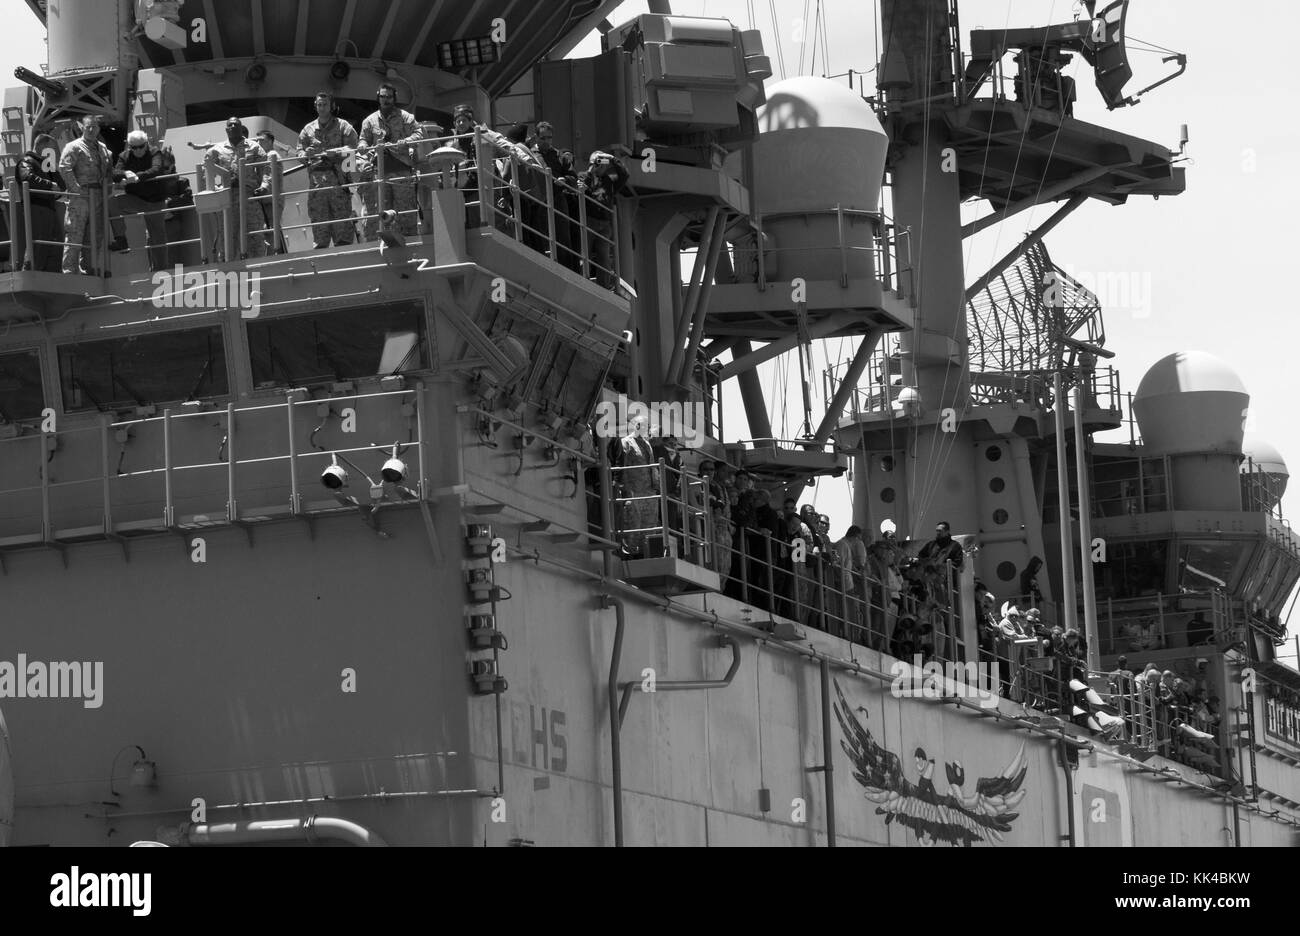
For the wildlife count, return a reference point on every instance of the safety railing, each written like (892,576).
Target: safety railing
(757,261)
(1261,490)
(1124,487)
(39,218)
(244,212)
(194,467)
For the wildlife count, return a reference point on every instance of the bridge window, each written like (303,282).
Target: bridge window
(22,394)
(143,370)
(342,344)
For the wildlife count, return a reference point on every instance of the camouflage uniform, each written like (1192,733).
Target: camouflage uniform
(401,127)
(329,204)
(256,181)
(87,168)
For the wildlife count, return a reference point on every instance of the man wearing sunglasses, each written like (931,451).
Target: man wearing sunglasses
(139,165)
(394,131)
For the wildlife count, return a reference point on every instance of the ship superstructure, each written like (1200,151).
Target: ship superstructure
(360,543)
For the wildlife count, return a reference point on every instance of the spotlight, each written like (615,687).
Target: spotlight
(255,73)
(394,470)
(340,70)
(334,477)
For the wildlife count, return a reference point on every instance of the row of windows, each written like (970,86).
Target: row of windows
(179,366)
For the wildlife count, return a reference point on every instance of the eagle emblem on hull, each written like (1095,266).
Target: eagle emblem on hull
(955,817)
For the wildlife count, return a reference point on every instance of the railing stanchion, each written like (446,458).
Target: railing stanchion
(277,187)
(663,505)
(295,499)
(232,508)
(103,471)
(169,507)
(584,235)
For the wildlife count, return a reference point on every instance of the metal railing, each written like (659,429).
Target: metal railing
(563,221)
(154,474)
(762,263)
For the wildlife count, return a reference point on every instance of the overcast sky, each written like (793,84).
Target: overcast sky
(1218,257)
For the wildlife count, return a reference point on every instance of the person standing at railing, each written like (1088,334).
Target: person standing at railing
(86,166)
(851,563)
(767,549)
(395,131)
(664,449)
(43,191)
(241,165)
(274,242)
(139,165)
(637,485)
(563,193)
(720,505)
(325,143)
(604,180)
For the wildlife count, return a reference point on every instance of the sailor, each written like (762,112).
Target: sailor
(266,140)
(325,143)
(394,130)
(86,166)
(638,485)
(244,171)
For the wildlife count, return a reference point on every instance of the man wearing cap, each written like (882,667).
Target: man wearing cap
(86,166)
(390,131)
(324,144)
(604,180)
(242,169)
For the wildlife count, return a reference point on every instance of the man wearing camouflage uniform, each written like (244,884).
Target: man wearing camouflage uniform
(395,130)
(254,181)
(86,166)
(325,143)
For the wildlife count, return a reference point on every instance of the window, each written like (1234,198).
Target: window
(21,391)
(1205,566)
(142,370)
(342,344)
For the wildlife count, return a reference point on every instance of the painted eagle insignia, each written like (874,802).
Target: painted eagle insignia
(955,817)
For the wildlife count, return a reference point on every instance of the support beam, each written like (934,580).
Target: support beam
(1038,234)
(686,320)
(850,382)
(424,32)
(1068,595)
(381,42)
(1050,194)
(751,393)
(701,311)
(747,360)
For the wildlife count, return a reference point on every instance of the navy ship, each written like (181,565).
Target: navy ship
(376,488)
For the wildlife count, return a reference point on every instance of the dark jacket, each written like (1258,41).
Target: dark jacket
(146,167)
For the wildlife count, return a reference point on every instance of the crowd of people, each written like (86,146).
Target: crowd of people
(337,157)
(781,557)
(83,178)
(525,164)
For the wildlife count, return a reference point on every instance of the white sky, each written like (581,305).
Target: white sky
(1217,256)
